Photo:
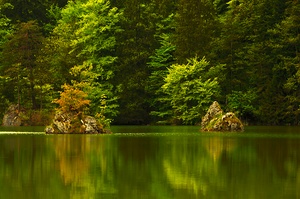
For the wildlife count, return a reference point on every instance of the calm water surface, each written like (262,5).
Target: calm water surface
(150,162)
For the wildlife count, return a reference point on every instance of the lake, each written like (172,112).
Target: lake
(151,162)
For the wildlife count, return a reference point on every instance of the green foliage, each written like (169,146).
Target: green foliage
(135,45)
(250,52)
(53,15)
(87,31)
(96,23)
(243,104)
(27,10)
(56,57)
(5,30)
(22,68)
(158,65)
(119,55)
(290,61)
(5,26)
(190,89)
(195,28)
(103,101)
(221,6)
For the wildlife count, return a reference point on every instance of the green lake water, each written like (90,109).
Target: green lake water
(151,162)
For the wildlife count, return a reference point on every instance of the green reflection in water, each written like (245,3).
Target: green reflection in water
(152,162)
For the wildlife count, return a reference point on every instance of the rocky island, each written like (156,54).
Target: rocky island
(71,118)
(216,120)
(71,123)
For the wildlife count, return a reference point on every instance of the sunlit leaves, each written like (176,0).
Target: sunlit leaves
(5,26)
(88,30)
(72,100)
(92,28)
(190,90)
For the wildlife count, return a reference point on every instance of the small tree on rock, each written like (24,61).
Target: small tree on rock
(72,100)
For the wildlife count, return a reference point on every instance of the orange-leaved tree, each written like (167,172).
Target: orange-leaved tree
(72,100)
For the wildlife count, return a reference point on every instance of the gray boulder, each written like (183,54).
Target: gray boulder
(91,125)
(216,120)
(12,116)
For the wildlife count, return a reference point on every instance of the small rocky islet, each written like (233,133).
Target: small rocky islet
(74,123)
(216,120)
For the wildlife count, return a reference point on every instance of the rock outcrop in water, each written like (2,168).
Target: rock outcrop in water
(12,116)
(72,123)
(216,120)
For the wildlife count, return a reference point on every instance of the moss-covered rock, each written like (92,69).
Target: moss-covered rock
(216,120)
(72,123)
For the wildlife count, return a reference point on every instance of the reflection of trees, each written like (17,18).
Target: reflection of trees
(228,167)
(195,168)
(149,166)
(137,168)
(175,167)
(72,159)
(84,165)
(26,170)
(215,146)
(192,168)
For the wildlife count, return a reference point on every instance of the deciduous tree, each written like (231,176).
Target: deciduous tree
(190,89)
(87,32)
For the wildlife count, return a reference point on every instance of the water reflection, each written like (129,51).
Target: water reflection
(216,146)
(26,170)
(84,165)
(71,157)
(152,166)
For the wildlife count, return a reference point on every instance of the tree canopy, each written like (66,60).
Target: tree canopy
(138,61)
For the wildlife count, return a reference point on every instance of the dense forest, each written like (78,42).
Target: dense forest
(152,61)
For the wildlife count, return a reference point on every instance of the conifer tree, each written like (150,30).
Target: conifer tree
(289,48)
(158,67)
(136,44)
(195,22)
(25,44)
